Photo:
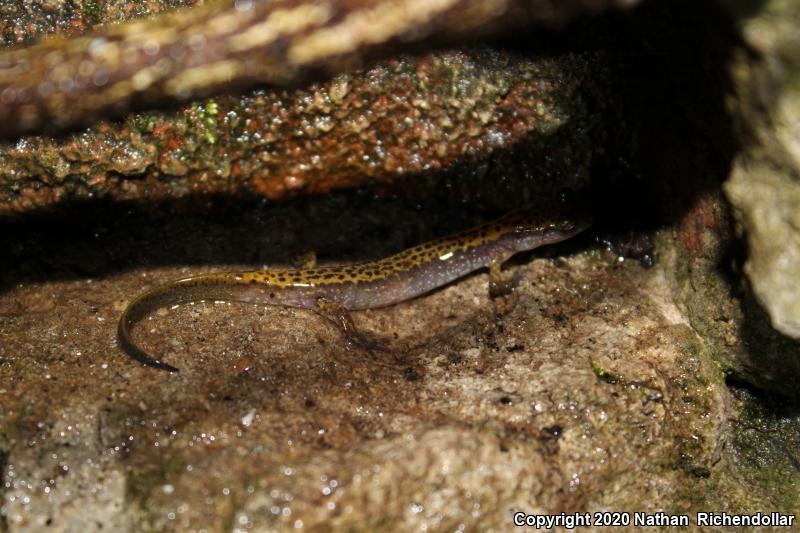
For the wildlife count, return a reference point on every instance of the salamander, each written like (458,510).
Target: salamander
(372,284)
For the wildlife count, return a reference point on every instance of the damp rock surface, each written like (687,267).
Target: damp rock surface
(597,384)
(583,389)
(223,46)
(397,122)
(559,395)
(398,125)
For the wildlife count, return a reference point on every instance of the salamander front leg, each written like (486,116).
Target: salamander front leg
(307,259)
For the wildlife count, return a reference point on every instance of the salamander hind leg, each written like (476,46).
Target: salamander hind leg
(501,283)
(339,316)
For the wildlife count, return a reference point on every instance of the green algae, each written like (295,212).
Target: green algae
(700,380)
(605,374)
(766,446)
(208,125)
(92,10)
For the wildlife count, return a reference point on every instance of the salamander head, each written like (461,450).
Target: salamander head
(547,222)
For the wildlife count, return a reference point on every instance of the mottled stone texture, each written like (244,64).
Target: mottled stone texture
(398,123)
(223,45)
(585,389)
(395,124)
(596,384)
(764,186)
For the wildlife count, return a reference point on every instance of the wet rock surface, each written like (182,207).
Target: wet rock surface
(395,123)
(633,368)
(398,125)
(583,389)
(222,46)
(534,401)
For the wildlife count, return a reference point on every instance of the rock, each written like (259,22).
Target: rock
(564,394)
(768,203)
(399,125)
(597,383)
(764,186)
(171,58)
